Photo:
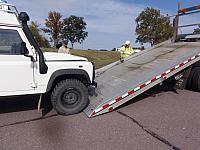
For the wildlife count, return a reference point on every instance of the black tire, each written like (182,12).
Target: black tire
(189,80)
(196,80)
(69,97)
(197,64)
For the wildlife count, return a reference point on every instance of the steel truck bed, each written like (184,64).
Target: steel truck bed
(121,82)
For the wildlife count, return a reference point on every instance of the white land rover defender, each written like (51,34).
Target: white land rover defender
(26,70)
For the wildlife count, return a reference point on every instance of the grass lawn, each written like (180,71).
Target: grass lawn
(99,58)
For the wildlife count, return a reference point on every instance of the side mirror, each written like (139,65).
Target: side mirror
(24,50)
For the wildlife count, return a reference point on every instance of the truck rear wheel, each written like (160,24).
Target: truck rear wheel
(196,80)
(69,97)
(189,84)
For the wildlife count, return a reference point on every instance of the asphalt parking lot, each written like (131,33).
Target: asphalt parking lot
(161,121)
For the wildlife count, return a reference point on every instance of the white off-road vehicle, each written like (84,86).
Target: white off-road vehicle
(26,70)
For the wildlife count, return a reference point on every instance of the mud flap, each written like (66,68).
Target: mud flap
(39,102)
(182,79)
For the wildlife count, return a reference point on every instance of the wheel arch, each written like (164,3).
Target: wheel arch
(63,74)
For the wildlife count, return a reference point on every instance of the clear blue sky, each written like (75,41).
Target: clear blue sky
(109,22)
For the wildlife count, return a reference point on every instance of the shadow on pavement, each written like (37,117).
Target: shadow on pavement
(24,103)
(153,92)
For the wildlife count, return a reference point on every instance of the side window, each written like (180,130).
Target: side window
(10,42)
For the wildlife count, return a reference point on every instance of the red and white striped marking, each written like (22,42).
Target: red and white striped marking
(163,76)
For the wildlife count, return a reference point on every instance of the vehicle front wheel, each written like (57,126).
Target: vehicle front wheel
(69,97)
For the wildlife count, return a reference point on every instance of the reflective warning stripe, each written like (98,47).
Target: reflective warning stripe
(132,91)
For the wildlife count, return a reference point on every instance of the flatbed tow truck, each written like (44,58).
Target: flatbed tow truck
(69,79)
(176,59)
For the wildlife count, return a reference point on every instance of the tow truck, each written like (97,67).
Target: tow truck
(176,60)
(70,80)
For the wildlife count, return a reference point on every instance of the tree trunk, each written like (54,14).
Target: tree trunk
(72,45)
(152,44)
(55,42)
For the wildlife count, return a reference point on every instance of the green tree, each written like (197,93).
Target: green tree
(152,27)
(197,30)
(36,31)
(73,29)
(53,25)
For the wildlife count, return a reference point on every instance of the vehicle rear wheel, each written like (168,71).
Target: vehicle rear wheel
(69,97)
(196,80)
(189,80)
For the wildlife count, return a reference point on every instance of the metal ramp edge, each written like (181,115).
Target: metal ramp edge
(96,108)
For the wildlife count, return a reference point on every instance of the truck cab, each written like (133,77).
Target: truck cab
(25,69)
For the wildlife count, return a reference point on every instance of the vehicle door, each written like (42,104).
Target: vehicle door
(16,70)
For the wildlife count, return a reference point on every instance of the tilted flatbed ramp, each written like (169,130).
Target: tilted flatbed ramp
(121,82)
